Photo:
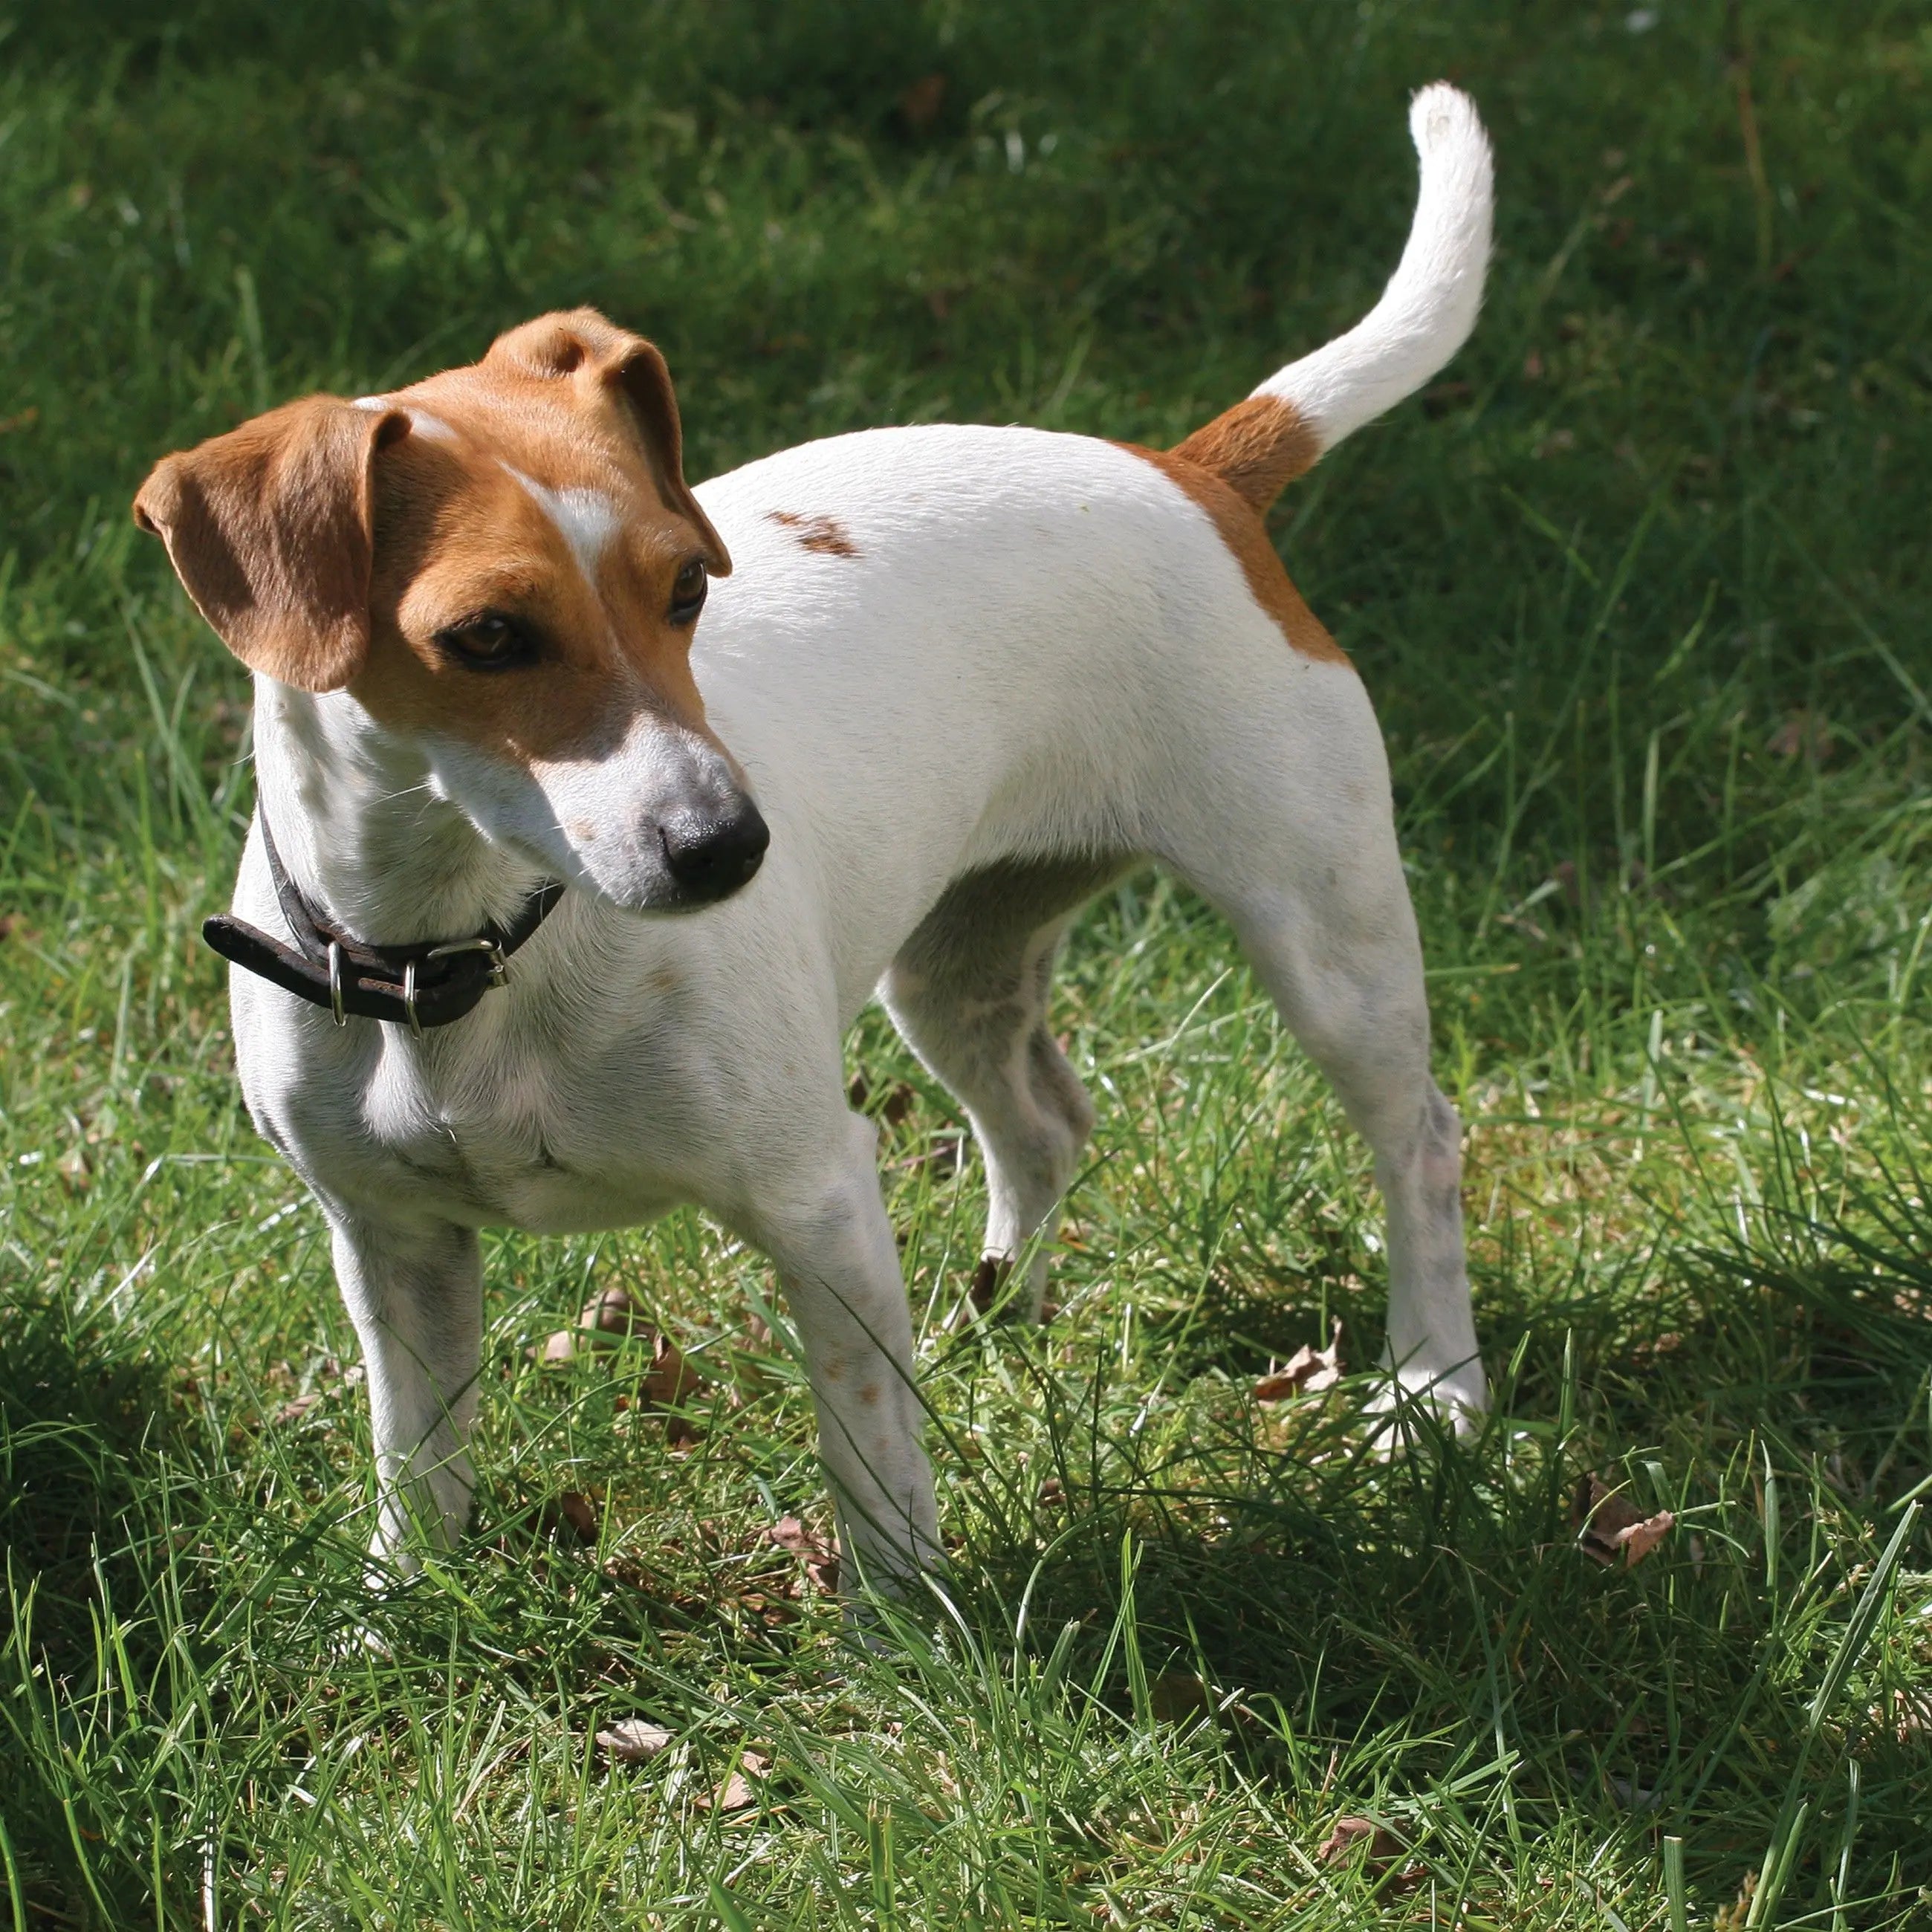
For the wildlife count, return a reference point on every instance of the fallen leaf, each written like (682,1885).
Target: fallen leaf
(1383,1846)
(1907,1716)
(1174,1696)
(671,1377)
(789,1533)
(670,1381)
(987,1279)
(75,1170)
(606,1319)
(821,1559)
(1609,1529)
(631,1740)
(294,1411)
(1307,1372)
(577,1510)
(921,102)
(736,1791)
(612,1313)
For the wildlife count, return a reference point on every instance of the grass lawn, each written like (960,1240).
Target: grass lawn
(1641,589)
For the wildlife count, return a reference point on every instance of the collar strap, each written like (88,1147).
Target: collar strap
(418,986)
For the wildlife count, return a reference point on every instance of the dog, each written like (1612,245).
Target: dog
(592,808)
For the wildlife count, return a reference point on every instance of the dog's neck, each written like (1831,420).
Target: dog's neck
(365,829)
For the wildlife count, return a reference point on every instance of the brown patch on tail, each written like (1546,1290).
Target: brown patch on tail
(1240,528)
(1257,449)
(825,534)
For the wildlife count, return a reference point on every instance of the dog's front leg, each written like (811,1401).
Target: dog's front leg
(415,1292)
(828,1233)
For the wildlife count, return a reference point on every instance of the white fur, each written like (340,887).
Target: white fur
(1429,306)
(421,421)
(1041,662)
(587,519)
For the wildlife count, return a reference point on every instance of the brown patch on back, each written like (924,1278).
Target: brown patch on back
(1242,530)
(1257,448)
(825,534)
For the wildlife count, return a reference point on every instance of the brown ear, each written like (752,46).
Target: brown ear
(581,339)
(269,529)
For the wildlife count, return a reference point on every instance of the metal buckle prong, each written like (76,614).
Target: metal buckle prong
(499,966)
(335,982)
(409,996)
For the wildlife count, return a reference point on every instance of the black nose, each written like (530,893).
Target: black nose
(711,854)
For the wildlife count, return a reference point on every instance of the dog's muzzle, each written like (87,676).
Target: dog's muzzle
(711,854)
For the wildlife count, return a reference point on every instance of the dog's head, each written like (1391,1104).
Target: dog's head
(503,563)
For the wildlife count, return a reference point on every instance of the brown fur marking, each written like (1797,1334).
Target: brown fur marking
(825,534)
(329,544)
(1257,449)
(1243,531)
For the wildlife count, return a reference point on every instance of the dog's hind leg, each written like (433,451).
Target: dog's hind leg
(1287,827)
(969,991)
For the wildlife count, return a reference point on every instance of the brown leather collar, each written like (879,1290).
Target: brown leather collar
(425,984)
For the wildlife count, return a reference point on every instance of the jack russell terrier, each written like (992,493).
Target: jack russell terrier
(949,682)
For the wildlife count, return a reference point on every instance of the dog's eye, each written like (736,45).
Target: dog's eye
(489,642)
(687,592)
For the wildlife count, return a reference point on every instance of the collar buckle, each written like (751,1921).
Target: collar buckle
(499,965)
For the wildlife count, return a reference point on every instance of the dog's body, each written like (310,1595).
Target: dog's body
(968,674)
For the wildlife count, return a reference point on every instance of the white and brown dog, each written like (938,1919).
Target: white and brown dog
(968,675)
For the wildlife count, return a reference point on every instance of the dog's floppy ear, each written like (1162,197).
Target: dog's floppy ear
(269,529)
(579,343)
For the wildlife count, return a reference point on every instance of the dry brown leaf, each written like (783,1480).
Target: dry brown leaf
(1352,1834)
(1307,1372)
(921,102)
(1609,1530)
(580,1511)
(988,1277)
(294,1411)
(612,1313)
(821,1559)
(670,1378)
(631,1740)
(737,1792)
(606,1319)
(1175,1696)
(670,1382)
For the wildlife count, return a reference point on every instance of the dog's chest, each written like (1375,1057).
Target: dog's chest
(539,1127)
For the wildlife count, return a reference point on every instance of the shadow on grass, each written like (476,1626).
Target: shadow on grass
(1776,1402)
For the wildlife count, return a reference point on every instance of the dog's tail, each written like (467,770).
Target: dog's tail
(1424,316)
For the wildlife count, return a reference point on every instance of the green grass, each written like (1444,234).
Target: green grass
(1641,593)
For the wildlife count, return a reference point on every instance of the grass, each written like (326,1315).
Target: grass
(1641,590)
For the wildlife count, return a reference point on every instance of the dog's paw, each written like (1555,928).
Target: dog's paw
(1412,1402)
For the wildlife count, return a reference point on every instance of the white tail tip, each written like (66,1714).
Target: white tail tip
(1427,311)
